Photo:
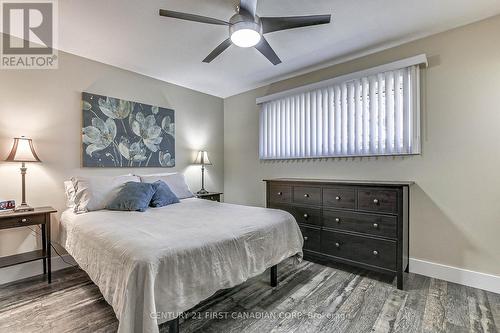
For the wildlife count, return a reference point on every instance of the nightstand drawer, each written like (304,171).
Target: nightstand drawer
(21,221)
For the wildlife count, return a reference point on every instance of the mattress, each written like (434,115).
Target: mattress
(152,266)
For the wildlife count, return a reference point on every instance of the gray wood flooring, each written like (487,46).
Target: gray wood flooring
(310,298)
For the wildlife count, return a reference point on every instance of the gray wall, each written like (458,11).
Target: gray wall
(46,105)
(455,215)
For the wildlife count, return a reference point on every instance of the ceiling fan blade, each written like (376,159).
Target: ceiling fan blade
(268,51)
(218,50)
(191,17)
(249,5)
(270,24)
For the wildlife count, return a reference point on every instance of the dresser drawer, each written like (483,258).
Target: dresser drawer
(376,200)
(15,222)
(372,224)
(303,215)
(339,197)
(311,238)
(375,252)
(306,215)
(307,195)
(280,193)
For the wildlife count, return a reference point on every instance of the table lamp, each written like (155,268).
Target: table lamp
(202,159)
(23,151)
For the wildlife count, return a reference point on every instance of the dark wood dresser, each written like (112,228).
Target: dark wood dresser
(363,223)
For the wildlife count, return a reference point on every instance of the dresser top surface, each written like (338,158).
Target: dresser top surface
(344,181)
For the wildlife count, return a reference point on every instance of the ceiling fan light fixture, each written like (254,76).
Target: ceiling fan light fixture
(245,34)
(245,38)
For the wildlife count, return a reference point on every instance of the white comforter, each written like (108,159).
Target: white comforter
(166,260)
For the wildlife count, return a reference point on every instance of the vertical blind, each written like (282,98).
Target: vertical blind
(372,115)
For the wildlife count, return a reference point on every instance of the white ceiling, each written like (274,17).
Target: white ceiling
(130,34)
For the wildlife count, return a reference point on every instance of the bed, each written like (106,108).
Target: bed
(152,266)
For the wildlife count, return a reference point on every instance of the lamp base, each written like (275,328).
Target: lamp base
(24,208)
(202,191)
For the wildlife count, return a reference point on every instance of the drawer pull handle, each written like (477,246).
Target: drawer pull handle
(305,238)
(375,253)
(375,201)
(280,193)
(306,216)
(337,245)
(306,195)
(337,220)
(337,198)
(24,220)
(375,225)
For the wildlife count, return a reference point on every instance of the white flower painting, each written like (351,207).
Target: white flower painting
(118,133)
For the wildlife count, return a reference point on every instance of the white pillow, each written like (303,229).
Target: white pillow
(95,192)
(176,182)
(70,192)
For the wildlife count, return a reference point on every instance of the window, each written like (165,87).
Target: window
(370,113)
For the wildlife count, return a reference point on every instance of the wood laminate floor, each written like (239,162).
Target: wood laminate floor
(310,298)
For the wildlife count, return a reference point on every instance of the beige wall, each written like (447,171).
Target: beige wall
(455,210)
(46,105)
(455,218)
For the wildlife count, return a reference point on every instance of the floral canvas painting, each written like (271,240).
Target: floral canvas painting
(118,133)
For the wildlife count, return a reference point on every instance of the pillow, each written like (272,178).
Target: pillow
(94,193)
(158,174)
(176,182)
(70,192)
(133,196)
(163,195)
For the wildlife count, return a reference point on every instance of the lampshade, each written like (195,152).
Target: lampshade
(22,151)
(202,158)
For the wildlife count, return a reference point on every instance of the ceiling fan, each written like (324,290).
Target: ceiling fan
(246,29)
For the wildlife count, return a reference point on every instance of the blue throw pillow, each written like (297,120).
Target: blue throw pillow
(133,196)
(163,195)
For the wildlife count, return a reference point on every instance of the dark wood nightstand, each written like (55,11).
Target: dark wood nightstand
(214,196)
(40,216)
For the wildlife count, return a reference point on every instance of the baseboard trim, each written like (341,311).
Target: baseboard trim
(466,277)
(29,269)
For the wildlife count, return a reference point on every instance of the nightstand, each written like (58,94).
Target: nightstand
(214,196)
(39,216)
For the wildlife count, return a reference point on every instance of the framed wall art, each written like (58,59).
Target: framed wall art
(117,133)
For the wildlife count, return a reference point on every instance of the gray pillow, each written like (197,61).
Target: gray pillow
(163,195)
(132,196)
